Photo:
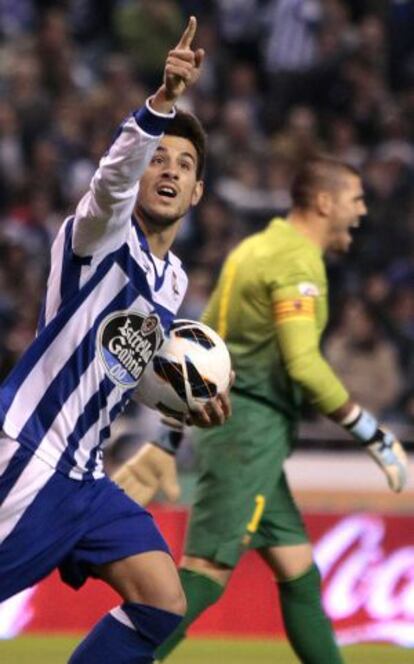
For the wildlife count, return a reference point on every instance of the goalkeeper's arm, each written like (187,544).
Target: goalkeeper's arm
(153,467)
(299,344)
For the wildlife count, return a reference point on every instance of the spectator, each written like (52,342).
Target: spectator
(342,142)
(238,22)
(358,350)
(16,18)
(144,29)
(290,52)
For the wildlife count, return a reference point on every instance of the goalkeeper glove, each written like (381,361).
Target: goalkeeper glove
(381,444)
(153,467)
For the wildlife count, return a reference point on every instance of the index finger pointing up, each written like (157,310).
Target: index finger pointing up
(188,34)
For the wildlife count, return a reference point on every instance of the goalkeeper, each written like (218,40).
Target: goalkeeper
(270,305)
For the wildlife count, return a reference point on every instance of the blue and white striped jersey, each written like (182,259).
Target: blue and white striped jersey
(108,302)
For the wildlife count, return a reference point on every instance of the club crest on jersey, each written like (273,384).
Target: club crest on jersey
(308,289)
(126,342)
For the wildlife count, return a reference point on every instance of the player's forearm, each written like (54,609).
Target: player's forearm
(116,179)
(322,387)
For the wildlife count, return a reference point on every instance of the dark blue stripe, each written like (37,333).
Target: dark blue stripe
(87,418)
(41,344)
(42,317)
(153,125)
(14,469)
(142,238)
(71,267)
(105,432)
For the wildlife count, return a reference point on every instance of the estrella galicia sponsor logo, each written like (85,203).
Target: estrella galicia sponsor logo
(127,340)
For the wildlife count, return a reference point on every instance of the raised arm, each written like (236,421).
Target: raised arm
(104,212)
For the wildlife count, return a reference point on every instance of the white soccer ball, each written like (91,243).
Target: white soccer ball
(192,366)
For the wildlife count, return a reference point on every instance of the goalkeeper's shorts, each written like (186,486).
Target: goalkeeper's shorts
(242,496)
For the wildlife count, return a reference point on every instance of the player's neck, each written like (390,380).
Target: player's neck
(159,239)
(311,226)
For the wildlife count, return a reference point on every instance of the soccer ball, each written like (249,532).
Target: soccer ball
(192,366)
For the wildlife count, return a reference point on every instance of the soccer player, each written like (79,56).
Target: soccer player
(270,305)
(114,288)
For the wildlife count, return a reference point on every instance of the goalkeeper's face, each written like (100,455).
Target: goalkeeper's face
(169,186)
(348,206)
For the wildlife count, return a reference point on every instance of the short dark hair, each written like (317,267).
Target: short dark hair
(186,125)
(318,173)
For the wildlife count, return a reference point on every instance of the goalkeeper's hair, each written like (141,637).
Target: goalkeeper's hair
(318,174)
(186,125)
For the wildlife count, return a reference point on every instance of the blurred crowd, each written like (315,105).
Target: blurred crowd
(283,79)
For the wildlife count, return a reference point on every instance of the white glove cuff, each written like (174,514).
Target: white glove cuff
(361,424)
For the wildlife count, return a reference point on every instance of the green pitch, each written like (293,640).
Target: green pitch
(55,650)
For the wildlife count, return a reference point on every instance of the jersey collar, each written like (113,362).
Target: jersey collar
(143,241)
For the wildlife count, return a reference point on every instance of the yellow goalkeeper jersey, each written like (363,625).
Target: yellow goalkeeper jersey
(270,306)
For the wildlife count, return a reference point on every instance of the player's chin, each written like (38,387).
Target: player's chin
(346,246)
(342,246)
(168,211)
(162,216)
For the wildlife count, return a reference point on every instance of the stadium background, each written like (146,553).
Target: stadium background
(283,79)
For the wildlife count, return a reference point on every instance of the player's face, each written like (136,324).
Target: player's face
(169,185)
(348,206)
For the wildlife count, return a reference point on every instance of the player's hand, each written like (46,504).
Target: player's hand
(152,469)
(214,412)
(389,454)
(379,442)
(183,64)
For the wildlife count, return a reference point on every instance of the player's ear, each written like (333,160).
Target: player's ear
(324,202)
(197,192)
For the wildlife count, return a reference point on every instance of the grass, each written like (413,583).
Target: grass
(56,649)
